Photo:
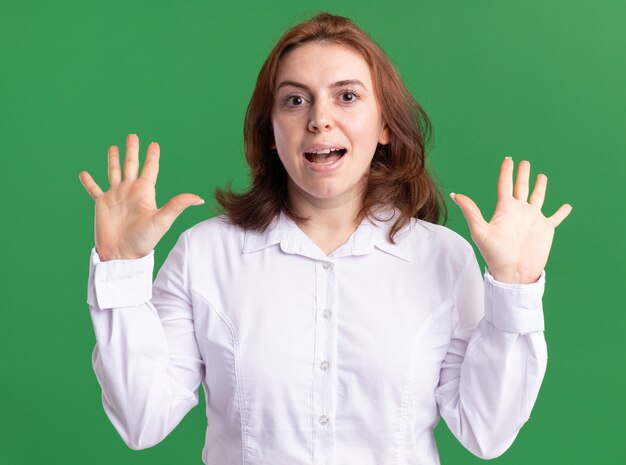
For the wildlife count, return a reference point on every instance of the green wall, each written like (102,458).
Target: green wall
(537,80)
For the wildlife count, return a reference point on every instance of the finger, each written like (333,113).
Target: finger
(505,180)
(539,191)
(131,157)
(470,211)
(90,185)
(560,215)
(167,214)
(115,173)
(150,169)
(520,191)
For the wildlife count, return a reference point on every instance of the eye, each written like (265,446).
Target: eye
(294,101)
(349,96)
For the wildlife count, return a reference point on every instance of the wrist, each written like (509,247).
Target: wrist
(108,255)
(512,277)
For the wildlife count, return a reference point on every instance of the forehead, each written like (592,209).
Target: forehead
(323,63)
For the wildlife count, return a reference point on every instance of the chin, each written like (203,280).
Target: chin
(329,192)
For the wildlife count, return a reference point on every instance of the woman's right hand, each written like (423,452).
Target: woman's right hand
(128,224)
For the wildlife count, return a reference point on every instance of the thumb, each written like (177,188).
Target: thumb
(470,210)
(167,214)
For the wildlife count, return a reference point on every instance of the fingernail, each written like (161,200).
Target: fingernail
(453,195)
(199,202)
(507,157)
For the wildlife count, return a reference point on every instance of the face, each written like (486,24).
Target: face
(324,100)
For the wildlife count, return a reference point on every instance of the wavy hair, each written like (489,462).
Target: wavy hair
(397,175)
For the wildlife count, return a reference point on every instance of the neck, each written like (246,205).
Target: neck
(331,222)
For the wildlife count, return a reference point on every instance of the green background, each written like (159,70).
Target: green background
(537,80)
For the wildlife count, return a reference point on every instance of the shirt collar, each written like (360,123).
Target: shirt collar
(372,232)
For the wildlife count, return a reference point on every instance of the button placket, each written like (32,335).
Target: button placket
(325,382)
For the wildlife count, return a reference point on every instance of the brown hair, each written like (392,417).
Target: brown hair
(398,174)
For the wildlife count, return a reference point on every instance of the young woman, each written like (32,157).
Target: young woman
(327,315)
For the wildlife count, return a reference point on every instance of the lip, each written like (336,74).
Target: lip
(319,168)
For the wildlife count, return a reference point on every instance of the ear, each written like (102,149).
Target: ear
(384,138)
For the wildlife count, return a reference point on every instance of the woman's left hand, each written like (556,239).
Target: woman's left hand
(516,242)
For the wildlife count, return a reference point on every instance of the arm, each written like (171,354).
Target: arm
(146,356)
(491,375)
(493,370)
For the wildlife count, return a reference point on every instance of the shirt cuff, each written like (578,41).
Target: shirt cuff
(514,308)
(119,283)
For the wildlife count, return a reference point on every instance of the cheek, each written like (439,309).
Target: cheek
(284,160)
(366,124)
(281,129)
(285,156)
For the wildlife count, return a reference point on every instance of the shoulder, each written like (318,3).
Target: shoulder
(209,226)
(439,242)
(216,230)
(439,234)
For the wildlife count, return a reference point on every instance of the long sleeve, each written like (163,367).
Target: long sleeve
(146,357)
(496,361)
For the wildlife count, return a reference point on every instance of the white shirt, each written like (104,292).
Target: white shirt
(305,358)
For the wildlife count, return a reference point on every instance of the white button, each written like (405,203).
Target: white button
(326,265)
(323,420)
(327,313)
(324,365)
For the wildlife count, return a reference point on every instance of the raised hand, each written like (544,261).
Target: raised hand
(128,224)
(516,242)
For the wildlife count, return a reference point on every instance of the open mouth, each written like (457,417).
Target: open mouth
(325,157)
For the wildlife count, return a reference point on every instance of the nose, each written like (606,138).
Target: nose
(320,118)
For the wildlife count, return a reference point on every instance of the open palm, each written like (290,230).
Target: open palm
(128,224)
(516,242)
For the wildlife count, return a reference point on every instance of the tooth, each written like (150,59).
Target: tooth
(326,151)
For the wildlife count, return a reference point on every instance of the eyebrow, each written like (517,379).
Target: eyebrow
(346,82)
